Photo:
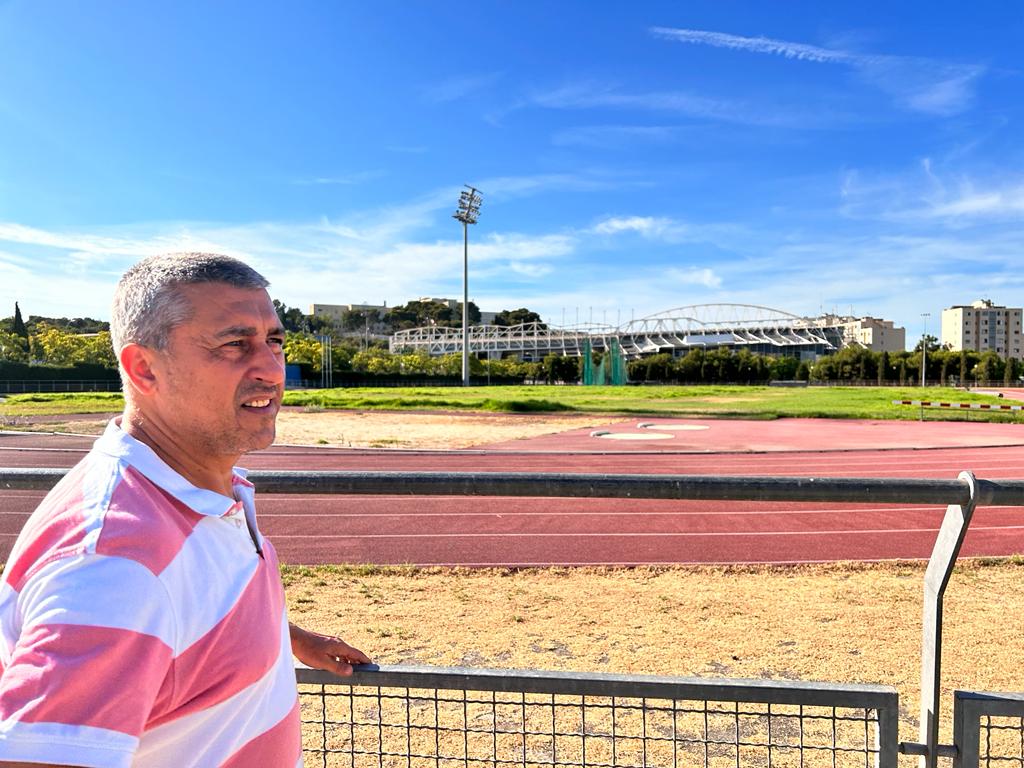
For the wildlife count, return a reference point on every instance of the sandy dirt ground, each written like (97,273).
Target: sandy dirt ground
(407,429)
(369,429)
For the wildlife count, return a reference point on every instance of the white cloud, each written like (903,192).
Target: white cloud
(530,270)
(666,230)
(75,273)
(606,136)
(798,51)
(695,276)
(931,196)
(348,179)
(520,186)
(996,203)
(648,226)
(589,95)
(917,84)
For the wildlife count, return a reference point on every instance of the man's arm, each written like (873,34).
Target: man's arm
(324,652)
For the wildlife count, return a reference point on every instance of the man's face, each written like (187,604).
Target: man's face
(221,377)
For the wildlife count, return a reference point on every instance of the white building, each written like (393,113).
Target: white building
(337,311)
(983,326)
(877,334)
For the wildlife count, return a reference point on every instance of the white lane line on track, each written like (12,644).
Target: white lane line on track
(927,509)
(26,449)
(675,535)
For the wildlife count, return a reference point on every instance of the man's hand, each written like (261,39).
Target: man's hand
(324,652)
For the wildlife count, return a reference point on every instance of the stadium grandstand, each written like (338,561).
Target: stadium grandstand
(704,326)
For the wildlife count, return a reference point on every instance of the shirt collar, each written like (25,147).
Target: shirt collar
(120,445)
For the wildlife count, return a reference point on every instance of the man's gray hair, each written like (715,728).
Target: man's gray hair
(148,302)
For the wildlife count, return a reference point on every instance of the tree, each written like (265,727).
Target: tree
(686,368)
(944,372)
(557,368)
(519,316)
(658,367)
(883,367)
(303,348)
(1009,371)
(76,325)
(415,314)
(376,360)
(932,341)
(783,368)
(55,347)
(989,367)
(293,319)
(19,325)
(98,349)
(13,347)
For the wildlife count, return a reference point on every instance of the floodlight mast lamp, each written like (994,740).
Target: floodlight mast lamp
(468,212)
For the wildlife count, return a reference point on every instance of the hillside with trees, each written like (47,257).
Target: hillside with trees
(63,348)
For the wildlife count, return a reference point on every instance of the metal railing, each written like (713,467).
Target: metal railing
(988,729)
(961,496)
(405,716)
(620,486)
(23,386)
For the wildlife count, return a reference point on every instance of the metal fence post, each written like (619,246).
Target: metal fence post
(966,731)
(940,568)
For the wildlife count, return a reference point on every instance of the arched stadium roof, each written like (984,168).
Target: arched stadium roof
(758,328)
(702,318)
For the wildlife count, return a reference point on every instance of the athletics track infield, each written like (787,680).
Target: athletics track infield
(474,531)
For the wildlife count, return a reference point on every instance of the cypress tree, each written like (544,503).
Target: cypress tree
(19,324)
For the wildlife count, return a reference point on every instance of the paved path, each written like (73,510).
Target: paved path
(519,531)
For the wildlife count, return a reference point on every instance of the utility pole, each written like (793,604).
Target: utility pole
(468,212)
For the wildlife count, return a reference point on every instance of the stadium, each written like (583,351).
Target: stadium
(761,330)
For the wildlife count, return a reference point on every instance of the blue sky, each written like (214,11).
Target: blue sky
(633,157)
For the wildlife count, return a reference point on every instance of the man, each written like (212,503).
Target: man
(142,618)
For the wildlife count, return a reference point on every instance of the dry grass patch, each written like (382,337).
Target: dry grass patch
(841,623)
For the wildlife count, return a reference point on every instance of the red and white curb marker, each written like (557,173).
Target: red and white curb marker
(975,406)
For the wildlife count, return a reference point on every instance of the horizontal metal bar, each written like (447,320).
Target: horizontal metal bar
(623,686)
(992,704)
(631,486)
(917,748)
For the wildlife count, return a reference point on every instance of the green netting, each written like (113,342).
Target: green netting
(610,369)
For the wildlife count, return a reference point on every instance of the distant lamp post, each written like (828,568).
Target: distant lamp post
(924,347)
(468,212)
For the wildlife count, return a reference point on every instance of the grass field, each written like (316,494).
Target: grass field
(716,401)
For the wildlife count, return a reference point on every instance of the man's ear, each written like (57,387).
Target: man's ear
(137,363)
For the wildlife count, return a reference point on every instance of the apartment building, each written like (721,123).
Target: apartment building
(877,334)
(982,326)
(338,311)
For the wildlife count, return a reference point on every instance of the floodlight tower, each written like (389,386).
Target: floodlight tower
(468,212)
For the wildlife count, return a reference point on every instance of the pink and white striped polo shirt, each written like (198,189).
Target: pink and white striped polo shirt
(140,626)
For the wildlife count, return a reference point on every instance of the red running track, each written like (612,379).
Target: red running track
(524,532)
